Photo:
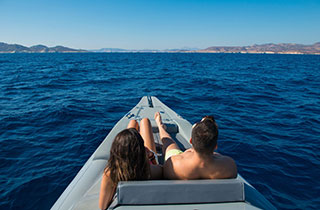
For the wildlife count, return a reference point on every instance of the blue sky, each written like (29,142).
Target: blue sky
(158,24)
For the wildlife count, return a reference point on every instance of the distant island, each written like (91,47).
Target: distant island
(16,48)
(185,49)
(258,49)
(268,48)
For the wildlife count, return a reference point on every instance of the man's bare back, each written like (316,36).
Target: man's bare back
(192,164)
(189,165)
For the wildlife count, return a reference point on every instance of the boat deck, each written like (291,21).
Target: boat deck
(83,192)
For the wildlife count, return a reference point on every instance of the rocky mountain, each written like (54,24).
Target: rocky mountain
(268,48)
(39,48)
(15,48)
(262,48)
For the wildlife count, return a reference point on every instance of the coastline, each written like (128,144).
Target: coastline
(270,48)
(161,52)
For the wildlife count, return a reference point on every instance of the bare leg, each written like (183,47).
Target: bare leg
(147,135)
(133,124)
(167,141)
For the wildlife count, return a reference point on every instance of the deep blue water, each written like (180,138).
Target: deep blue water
(55,109)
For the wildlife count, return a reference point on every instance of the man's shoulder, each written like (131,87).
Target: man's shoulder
(222,157)
(226,166)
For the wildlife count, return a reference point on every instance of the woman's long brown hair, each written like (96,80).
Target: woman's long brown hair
(128,160)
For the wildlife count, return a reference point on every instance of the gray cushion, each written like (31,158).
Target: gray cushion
(179,191)
(171,128)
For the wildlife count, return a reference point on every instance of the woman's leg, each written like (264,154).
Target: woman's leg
(167,141)
(133,124)
(147,135)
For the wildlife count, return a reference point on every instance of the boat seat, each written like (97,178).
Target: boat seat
(171,128)
(179,192)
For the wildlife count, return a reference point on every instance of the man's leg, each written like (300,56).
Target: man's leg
(167,141)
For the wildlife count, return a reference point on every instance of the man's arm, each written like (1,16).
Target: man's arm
(156,171)
(230,167)
(233,167)
(168,172)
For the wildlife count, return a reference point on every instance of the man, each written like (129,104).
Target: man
(199,162)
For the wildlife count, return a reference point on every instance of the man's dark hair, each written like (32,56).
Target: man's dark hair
(204,136)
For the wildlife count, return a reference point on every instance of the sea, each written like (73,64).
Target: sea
(55,110)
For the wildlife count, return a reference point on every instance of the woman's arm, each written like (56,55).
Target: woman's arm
(107,190)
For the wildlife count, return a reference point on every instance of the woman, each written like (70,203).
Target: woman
(129,160)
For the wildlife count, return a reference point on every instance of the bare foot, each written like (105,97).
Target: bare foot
(157,118)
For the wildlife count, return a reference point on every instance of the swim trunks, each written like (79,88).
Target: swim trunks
(172,152)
